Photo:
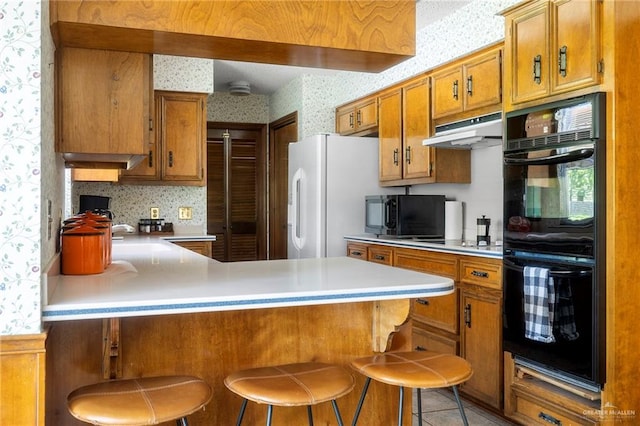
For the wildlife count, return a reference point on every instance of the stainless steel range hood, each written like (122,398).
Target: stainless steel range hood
(479,132)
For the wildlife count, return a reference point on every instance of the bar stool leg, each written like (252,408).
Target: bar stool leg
(400,405)
(310,415)
(364,393)
(269,414)
(337,412)
(182,422)
(464,417)
(419,396)
(241,413)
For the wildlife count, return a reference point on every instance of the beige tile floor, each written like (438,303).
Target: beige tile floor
(439,408)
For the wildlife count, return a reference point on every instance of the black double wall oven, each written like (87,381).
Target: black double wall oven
(554,239)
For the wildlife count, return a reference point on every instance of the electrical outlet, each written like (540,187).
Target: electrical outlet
(184,213)
(155,213)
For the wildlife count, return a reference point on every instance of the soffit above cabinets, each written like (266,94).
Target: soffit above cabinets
(344,35)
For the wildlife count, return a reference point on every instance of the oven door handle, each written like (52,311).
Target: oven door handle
(553,272)
(566,157)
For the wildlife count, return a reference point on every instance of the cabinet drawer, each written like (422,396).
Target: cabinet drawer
(380,254)
(429,262)
(532,411)
(359,251)
(484,273)
(424,340)
(440,312)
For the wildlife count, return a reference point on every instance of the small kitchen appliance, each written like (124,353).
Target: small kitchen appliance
(405,215)
(96,204)
(482,231)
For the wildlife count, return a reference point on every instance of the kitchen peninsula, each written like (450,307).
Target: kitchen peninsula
(162,309)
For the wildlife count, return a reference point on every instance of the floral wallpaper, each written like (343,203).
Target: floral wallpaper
(32,175)
(21,172)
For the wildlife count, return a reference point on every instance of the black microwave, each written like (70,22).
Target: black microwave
(405,215)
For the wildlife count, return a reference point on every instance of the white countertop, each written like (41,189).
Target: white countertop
(150,276)
(448,246)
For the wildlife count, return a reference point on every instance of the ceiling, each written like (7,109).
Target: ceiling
(266,79)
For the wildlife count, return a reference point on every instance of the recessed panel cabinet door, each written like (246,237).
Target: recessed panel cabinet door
(483,81)
(575,45)
(390,135)
(416,126)
(529,46)
(447,92)
(182,134)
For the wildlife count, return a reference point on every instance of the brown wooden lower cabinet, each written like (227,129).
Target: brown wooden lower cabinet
(467,322)
(200,247)
(530,399)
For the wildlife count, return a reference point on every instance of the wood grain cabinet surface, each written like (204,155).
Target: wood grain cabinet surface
(200,247)
(176,156)
(103,107)
(551,47)
(471,86)
(404,122)
(359,118)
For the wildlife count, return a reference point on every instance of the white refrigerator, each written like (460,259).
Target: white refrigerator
(329,177)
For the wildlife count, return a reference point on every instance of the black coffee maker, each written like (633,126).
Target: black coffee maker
(96,204)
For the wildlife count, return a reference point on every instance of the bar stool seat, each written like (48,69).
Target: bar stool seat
(142,401)
(308,383)
(416,370)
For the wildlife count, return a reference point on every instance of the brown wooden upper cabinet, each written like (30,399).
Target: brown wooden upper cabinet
(468,87)
(404,121)
(103,107)
(358,118)
(177,155)
(551,47)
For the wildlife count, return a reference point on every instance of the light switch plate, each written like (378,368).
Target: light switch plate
(184,213)
(155,213)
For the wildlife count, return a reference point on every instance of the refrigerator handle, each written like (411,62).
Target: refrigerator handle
(296,231)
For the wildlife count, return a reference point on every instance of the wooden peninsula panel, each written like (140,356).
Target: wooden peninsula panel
(351,35)
(213,344)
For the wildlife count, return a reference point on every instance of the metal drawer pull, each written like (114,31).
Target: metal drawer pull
(549,419)
(470,85)
(420,348)
(480,274)
(537,69)
(379,257)
(562,61)
(150,158)
(467,315)
(395,157)
(455,90)
(351,120)
(356,253)
(423,302)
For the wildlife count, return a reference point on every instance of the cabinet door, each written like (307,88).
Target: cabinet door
(359,251)
(575,46)
(104,102)
(345,121)
(448,90)
(482,81)
(529,46)
(416,128)
(380,254)
(390,135)
(481,341)
(182,135)
(367,115)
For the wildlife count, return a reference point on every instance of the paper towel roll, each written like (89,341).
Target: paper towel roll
(453,220)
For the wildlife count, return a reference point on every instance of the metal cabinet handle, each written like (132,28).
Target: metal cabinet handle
(470,85)
(562,61)
(351,120)
(150,158)
(407,155)
(395,156)
(480,274)
(379,257)
(424,302)
(420,348)
(549,419)
(356,253)
(359,118)
(467,315)
(537,69)
(170,158)
(455,90)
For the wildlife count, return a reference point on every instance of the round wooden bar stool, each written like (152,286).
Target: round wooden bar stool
(307,383)
(414,369)
(143,401)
